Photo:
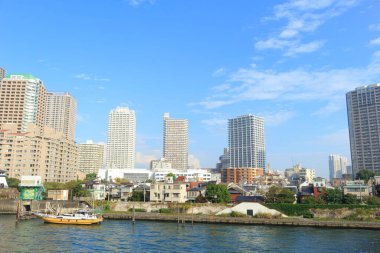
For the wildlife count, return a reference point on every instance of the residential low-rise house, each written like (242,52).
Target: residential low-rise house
(96,189)
(168,191)
(195,192)
(357,188)
(235,191)
(126,191)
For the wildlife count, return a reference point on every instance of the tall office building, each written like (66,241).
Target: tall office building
(61,113)
(363,111)
(22,101)
(2,73)
(176,142)
(246,144)
(121,140)
(90,157)
(337,166)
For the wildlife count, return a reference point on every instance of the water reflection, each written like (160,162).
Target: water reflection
(124,236)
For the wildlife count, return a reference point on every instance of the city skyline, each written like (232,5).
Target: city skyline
(290,62)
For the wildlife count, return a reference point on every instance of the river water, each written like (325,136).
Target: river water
(147,236)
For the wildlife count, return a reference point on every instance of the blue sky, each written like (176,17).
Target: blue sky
(290,62)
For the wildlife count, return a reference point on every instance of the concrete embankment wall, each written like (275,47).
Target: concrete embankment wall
(8,205)
(182,218)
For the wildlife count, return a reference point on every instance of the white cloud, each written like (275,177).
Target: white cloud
(136,3)
(194,162)
(339,138)
(304,48)
(375,41)
(278,118)
(219,72)
(214,122)
(374,27)
(143,160)
(84,76)
(248,84)
(302,16)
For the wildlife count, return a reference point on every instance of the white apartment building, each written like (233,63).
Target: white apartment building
(22,101)
(176,142)
(61,113)
(91,157)
(337,166)
(121,140)
(190,175)
(246,144)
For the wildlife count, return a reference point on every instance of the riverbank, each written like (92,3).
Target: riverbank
(186,218)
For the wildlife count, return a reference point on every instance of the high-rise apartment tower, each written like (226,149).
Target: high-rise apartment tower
(121,140)
(363,111)
(61,113)
(22,101)
(246,144)
(337,166)
(176,142)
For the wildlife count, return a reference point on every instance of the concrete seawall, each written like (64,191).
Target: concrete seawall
(243,220)
(8,205)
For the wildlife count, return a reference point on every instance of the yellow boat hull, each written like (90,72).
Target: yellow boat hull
(72,221)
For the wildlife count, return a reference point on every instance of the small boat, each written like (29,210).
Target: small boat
(81,217)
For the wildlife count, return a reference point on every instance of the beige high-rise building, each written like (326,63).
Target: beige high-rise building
(22,101)
(176,142)
(90,157)
(61,113)
(2,73)
(31,153)
(121,141)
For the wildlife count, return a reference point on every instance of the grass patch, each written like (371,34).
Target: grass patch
(137,210)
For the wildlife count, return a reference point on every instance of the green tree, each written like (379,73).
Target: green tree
(277,194)
(311,200)
(90,176)
(350,199)
(217,193)
(54,186)
(333,196)
(77,188)
(12,182)
(365,175)
(137,196)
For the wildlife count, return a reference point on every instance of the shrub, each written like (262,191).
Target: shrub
(267,216)
(308,215)
(237,214)
(165,210)
(371,200)
(138,210)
